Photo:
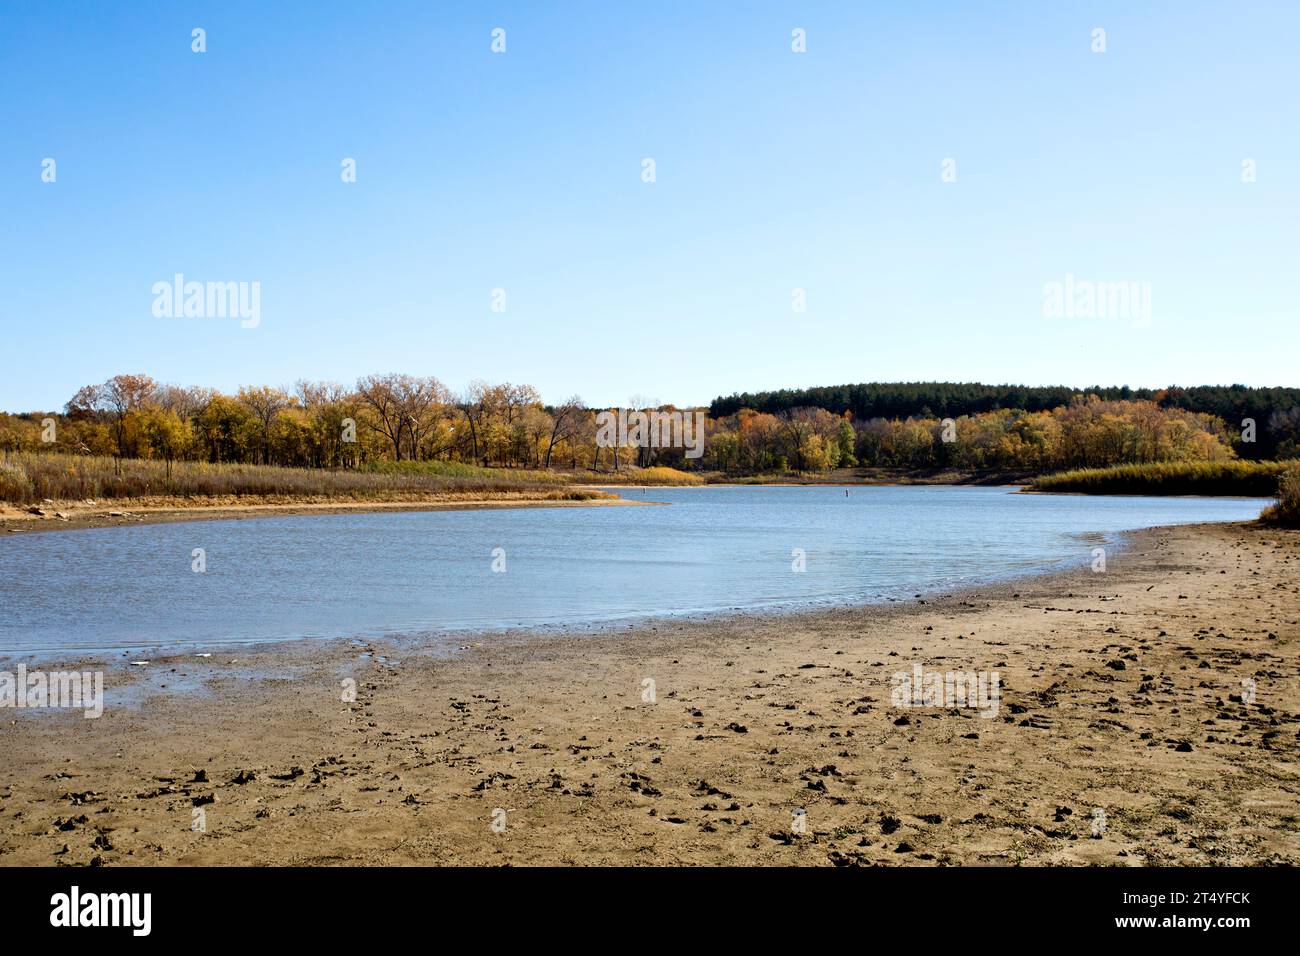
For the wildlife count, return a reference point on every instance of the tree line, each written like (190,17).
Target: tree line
(394,420)
(1088,431)
(1276,411)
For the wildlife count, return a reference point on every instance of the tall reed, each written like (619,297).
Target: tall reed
(1251,478)
(28,478)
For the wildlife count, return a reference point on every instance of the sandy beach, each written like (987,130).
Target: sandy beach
(1147,716)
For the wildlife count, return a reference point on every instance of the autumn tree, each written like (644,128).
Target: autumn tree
(119,399)
(332,411)
(800,427)
(265,403)
(168,434)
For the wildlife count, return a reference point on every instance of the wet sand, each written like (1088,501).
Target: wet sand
(1124,736)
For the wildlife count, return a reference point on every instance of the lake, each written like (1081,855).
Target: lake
(431,574)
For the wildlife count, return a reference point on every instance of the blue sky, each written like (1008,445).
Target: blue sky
(774,171)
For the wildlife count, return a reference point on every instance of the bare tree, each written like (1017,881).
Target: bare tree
(378,394)
(566,418)
(187,402)
(421,401)
(474,404)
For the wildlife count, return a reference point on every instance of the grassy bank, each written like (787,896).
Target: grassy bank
(1254,478)
(27,479)
(658,476)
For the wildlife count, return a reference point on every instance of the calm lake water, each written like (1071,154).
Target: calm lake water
(424,574)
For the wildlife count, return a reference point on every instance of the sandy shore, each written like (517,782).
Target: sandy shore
(1121,712)
(68,516)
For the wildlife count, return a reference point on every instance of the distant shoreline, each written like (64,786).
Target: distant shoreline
(125,513)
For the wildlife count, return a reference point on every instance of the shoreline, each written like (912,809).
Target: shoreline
(117,513)
(1106,679)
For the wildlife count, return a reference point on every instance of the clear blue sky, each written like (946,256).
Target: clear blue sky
(522,171)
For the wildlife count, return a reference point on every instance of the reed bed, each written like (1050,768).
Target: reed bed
(28,478)
(659,475)
(1247,478)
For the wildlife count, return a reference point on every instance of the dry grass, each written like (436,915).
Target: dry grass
(1286,512)
(27,478)
(1253,478)
(658,475)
